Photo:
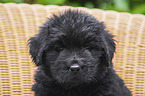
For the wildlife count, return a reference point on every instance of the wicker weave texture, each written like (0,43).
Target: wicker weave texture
(18,22)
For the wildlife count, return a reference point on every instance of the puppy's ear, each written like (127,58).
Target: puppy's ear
(37,46)
(108,47)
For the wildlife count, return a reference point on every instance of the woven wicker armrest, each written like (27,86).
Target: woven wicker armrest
(18,22)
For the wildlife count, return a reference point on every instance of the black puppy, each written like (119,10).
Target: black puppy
(74,52)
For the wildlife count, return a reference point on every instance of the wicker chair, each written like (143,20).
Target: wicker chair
(18,22)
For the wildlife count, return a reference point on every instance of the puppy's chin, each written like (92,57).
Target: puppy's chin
(71,84)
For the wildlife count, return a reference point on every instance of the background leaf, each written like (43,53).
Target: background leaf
(121,5)
(139,9)
(132,6)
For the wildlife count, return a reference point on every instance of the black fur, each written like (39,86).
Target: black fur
(75,37)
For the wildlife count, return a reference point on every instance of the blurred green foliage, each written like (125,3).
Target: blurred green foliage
(132,6)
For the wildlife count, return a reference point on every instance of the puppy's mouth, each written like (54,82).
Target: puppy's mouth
(74,79)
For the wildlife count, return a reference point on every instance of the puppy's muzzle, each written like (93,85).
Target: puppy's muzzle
(75,67)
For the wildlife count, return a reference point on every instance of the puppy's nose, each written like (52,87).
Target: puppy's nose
(75,67)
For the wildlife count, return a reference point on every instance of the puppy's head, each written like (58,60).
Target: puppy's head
(73,48)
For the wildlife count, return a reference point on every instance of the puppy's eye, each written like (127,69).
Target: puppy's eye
(59,48)
(88,47)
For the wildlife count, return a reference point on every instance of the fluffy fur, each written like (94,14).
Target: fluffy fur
(75,37)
